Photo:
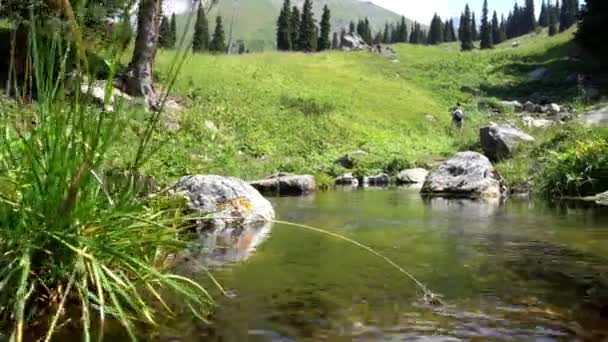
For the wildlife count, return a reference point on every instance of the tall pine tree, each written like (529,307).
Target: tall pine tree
(386,35)
(593,21)
(351,27)
(295,28)
(530,16)
(474,31)
(164,34)
(496,36)
(200,40)
(307,40)
(284,27)
(324,42)
(466,30)
(552,19)
(486,38)
(218,42)
(542,18)
(435,31)
(173,29)
(335,41)
(568,15)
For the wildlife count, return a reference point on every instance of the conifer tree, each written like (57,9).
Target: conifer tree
(368,31)
(335,42)
(568,14)
(447,35)
(593,21)
(503,28)
(486,28)
(395,29)
(435,31)
(386,35)
(552,21)
(403,30)
(324,42)
(307,40)
(412,38)
(453,36)
(295,28)
(530,17)
(351,27)
(284,27)
(474,31)
(461,27)
(542,18)
(164,34)
(173,30)
(218,42)
(200,40)
(466,34)
(342,37)
(315,36)
(496,38)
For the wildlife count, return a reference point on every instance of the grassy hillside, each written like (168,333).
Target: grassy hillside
(255,20)
(254,114)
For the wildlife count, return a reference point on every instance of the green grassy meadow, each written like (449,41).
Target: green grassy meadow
(251,115)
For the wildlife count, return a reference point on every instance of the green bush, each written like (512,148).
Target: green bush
(579,170)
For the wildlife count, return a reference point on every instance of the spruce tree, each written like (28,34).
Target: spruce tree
(593,21)
(395,30)
(324,42)
(542,18)
(351,27)
(200,40)
(486,28)
(173,30)
(307,40)
(368,31)
(412,38)
(315,37)
(461,27)
(295,28)
(466,34)
(218,42)
(435,31)
(474,31)
(496,38)
(342,37)
(284,27)
(568,15)
(386,34)
(552,20)
(335,42)
(453,36)
(447,35)
(403,30)
(530,17)
(503,29)
(164,34)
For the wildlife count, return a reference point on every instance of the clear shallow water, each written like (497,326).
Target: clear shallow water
(520,271)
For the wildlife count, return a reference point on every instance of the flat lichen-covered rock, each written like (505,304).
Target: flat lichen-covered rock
(499,141)
(467,174)
(226,201)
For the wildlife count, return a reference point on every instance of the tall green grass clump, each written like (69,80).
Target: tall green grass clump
(73,253)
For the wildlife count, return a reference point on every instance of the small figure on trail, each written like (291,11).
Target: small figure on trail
(458,117)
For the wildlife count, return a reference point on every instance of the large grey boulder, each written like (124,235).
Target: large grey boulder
(347,179)
(499,141)
(467,174)
(286,184)
(225,201)
(353,42)
(531,122)
(412,176)
(514,106)
(381,179)
(598,117)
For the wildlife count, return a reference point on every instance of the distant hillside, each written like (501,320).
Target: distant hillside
(256,19)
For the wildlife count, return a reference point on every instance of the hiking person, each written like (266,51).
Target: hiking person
(457,117)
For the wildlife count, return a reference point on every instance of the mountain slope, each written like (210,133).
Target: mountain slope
(255,20)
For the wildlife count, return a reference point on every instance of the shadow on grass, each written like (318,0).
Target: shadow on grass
(569,71)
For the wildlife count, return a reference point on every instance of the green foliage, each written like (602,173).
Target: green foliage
(324,42)
(218,42)
(487,39)
(466,30)
(165,36)
(295,28)
(200,40)
(284,27)
(436,31)
(594,20)
(580,170)
(73,248)
(306,38)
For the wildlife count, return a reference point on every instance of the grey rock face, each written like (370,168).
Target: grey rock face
(412,176)
(499,141)
(379,180)
(467,174)
(286,184)
(226,201)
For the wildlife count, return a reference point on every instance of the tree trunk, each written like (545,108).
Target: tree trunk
(139,76)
